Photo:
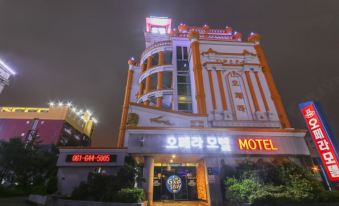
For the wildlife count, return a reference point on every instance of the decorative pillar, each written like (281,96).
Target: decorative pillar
(272,87)
(214,182)
(254,96)
(148,79)
(210,78)
(160,78)
(161,58)
(262,93)
(148,176)
(141,85)
(197,69)
(222,90)
(121,137)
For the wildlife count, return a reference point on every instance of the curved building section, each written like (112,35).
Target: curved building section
(156,76)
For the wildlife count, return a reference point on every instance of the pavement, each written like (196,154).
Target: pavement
(14,201)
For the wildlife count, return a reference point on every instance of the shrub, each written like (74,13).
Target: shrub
(80,192)
(327,196)
(240,190)
(11,192)
(268,184)
(108,188)
(130,195)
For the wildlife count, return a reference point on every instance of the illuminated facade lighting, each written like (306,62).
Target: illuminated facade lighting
(5,66)
(5,73)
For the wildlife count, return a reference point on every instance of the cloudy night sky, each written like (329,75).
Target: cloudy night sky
(77,50)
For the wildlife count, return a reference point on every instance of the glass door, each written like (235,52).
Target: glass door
(175,183)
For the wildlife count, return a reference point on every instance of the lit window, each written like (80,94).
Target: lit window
(158,30)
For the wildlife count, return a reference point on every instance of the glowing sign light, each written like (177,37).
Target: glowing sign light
(321,139)
(256,144)
(197,142)
(174,184)
(91,158)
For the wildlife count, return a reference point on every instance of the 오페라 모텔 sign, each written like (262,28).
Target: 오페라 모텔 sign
(217,144)
(321,138)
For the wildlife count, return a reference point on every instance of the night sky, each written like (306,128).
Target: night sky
(77,50)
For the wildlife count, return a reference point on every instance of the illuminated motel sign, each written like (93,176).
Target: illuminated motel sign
(198,142)
(257,144)
(321,139)
(221,143)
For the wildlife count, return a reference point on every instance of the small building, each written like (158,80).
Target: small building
(58,124)
(5,73)
(74,164)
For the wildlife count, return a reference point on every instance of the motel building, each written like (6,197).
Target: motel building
(199,100)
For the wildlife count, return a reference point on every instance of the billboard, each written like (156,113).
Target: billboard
(322,138)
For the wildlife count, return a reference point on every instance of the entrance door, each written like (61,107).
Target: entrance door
(175,182)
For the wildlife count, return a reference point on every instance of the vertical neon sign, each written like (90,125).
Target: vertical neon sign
(321,138)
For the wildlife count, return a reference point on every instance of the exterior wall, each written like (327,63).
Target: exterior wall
(71,174)
(48,130)
(51,123)
(236,59)
(71,177)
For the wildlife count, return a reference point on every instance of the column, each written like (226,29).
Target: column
(160,78)
(148,79)
(141,85)
(262,93)
(148,176)
(272,87)
(254,96)
(121,137)
(214,181)
(212,89)
(197,69)
(222,90)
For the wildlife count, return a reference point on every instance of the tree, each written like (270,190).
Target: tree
(28,165)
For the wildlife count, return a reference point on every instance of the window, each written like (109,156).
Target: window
(167,80)
(185,106)
(155,59)
(179,52)
(168,57)
(183,80)
(154,81)
(185,53)
(182,65)
(184,89)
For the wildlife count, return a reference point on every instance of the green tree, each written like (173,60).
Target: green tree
(28,165)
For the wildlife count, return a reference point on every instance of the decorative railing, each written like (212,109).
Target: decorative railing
(156,45)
